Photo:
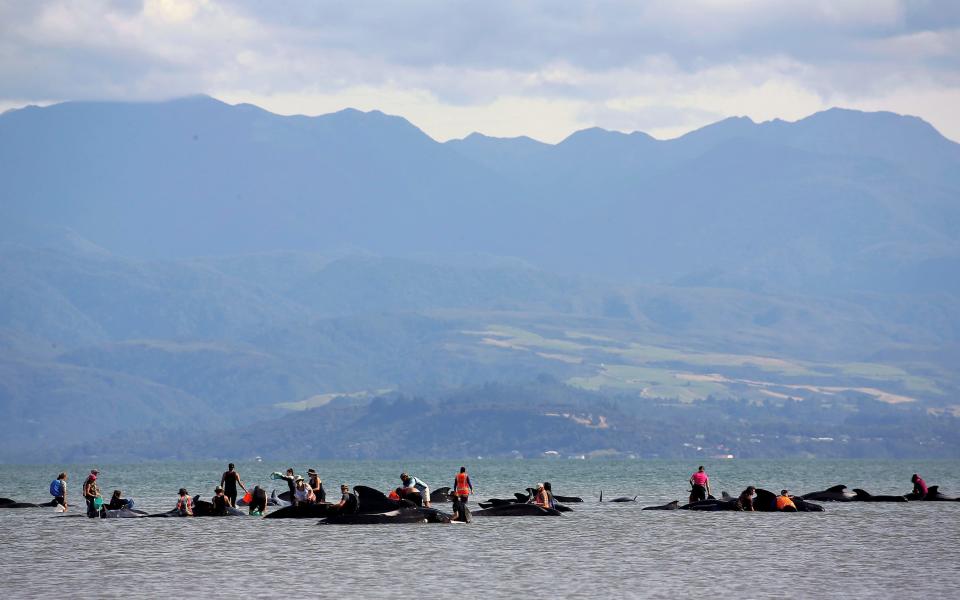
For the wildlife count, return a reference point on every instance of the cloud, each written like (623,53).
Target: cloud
(540,68)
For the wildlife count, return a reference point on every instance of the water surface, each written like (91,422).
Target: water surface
(881,550)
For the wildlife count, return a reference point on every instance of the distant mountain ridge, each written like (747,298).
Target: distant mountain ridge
(837,191)
(190,266)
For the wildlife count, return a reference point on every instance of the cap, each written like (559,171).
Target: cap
(95,471)
(312,471)
(299,478)
(783,492)
(218,489)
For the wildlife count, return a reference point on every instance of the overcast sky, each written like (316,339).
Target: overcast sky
(538,68)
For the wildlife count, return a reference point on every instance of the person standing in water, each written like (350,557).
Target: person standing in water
(700,485)
(58,489)
(462,487)
(91,491)
(316,484)
(229,482)
(291,478)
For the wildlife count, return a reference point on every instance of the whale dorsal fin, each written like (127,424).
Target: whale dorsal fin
(725,496)
(601,495)
(837,488)
(635,498)
(862,493)
(933,490)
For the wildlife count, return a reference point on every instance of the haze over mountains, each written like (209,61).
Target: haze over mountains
(189,265)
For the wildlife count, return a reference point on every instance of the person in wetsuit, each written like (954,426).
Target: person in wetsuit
(229,482)
(460,511)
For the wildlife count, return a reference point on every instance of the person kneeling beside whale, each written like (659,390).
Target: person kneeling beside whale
(785,503)
(349,503)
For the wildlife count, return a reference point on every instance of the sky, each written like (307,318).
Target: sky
(541,68)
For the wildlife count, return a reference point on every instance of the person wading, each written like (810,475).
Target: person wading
(462,488)
(91,491)
(700,485)
(229,482)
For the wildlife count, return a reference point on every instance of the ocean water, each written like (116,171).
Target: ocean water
(601,549)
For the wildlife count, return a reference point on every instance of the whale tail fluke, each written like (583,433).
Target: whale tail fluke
(635,497)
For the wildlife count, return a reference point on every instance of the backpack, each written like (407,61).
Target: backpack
(56,488)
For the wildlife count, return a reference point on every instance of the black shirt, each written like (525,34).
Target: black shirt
(230,479)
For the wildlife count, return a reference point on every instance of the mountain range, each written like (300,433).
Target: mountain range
(188,266)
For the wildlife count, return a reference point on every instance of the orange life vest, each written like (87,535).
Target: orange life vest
(393,495)
(783,502)
(463,489)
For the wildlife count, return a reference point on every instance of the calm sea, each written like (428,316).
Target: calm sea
(599,550)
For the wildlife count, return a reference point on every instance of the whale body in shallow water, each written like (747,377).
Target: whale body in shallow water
(836,493)
(620,499)
(668,506)
(864,496)
(403,515)
(933,495)
(301,511)
(517,510)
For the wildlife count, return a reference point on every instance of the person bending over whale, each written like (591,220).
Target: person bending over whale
(303,493)
(411,484)
(785,503)
(349,503)
(745,501)
(699,485)
(258,501)
(919,486)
